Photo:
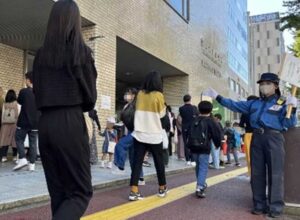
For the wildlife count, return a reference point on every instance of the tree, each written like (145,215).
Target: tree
(291,19)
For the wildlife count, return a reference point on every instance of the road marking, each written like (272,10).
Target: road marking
(131,209)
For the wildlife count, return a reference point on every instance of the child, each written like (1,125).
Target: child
(233,142)
(110,139)
(202,131)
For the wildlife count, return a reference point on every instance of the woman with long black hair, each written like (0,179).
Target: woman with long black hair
(148,133)
(64,83)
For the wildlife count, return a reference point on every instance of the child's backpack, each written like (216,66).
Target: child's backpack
(229,132)
(237,138)
(198,135)
(8,115)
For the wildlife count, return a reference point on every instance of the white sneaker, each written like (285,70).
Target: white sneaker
(31,167)
(4,159)
(109,165)
(142,183)
(188,163)
(21,163)
(102,163)
(115,170)
(193,164)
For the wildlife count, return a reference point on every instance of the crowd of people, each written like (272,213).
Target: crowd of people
(62,87)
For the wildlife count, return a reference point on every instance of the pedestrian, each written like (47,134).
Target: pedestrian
(267,118)
(150,108)
(187,112)
(93,143)
(233,143)
(27,124)
(172,128)
(110,139)
(166,126)
(245,123)
(180,144)
(64,79)
(8,126)
(203,130)
(216,152)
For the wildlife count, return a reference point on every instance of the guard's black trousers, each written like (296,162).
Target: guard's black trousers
(64,149)
(267,160)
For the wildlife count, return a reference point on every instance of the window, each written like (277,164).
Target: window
(181,7)
(269,68)
(258,44)
(277,25)
(278,58)
(257,28)
(258,60)
(277,41)
(269,51)
(268,34)
(238,89)
(232,84)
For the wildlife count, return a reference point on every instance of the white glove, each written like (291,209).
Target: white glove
(291,100)
(210,92)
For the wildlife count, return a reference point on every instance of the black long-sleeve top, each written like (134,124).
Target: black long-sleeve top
(245,123)
(65,86)
(214,134)
(94,116)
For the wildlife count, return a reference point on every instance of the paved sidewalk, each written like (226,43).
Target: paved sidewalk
(21,188)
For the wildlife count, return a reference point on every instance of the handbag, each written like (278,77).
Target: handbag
(89,125)
(8,115)
(111,145)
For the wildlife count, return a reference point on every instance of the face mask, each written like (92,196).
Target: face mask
(268,89)
(127,98)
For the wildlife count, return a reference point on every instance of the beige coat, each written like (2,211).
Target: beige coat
(7,133)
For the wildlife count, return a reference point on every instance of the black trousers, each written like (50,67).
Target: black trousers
(187,152)
(4,150)
(267,160)
(139,153)
(65,153)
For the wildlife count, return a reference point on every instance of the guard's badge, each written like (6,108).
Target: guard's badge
(275,108)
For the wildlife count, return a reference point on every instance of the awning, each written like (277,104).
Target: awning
(23,22)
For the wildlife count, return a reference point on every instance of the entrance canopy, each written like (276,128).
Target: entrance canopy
(23,23)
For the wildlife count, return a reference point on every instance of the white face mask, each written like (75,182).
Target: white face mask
(128,98)
(267,89)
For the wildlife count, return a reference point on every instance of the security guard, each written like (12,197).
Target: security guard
(267,118)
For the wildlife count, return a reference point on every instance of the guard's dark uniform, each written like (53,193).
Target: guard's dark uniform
(267,118)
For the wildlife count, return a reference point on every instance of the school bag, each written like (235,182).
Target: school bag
(198,135)
(8,115)
(127,115)
(230,133)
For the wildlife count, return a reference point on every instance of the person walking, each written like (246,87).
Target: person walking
(267,118)
(202,132)
(150,108)
(27,124)
(233,143)
(187,112)
(64,79)
(180,144)
(8,126)
(245,123)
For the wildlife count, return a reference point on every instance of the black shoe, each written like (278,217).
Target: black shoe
(274,214)
(146,164)
(163,192)
(238,165)
(200,193)
(135,196)
(228,163)
(221,163)
(258,212)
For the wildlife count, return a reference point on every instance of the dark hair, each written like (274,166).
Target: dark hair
(169,108)
(227,124)
(11,96)
(235,124)
(63,41)
(205,107)
(152,82)
(187,98)
(218,116)
(28,76)
(252,97)
(133,91)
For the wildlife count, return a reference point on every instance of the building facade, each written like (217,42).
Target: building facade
(194,44)
(267,46)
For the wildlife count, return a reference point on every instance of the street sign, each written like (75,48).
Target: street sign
(290,70)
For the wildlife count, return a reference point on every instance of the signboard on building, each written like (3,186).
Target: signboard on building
(264,17)
(290,70)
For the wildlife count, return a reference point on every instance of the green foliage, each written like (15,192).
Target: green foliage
(291,19)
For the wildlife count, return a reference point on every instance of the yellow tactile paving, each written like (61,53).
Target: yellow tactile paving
(132,209)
